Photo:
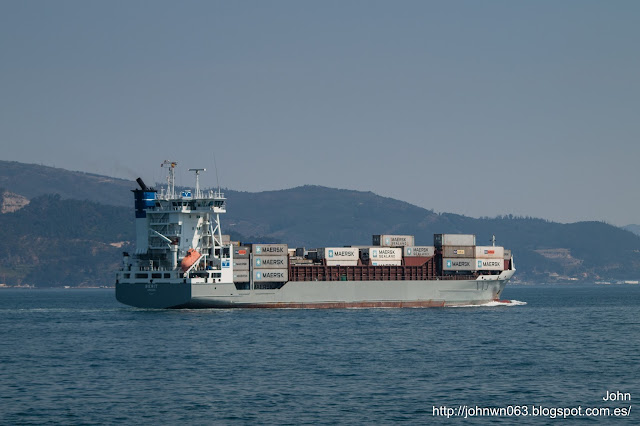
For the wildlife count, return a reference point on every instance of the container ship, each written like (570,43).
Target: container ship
(183,260)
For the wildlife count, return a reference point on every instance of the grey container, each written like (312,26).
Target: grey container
(240,264)
(270,249)
(458,251)
(241,252)
(300,252)
(419,251)
(270,275)
(270,262)
(507,254)
(393,240)
(241,276)
(440,240)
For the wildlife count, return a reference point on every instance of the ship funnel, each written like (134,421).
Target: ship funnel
(142,185)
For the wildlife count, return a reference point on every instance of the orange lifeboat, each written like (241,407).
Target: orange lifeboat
(191,258)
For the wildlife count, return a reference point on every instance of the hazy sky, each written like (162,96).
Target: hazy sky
(473,107)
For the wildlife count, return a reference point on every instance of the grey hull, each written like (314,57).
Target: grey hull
(314,294)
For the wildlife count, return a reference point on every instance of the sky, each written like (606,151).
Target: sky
(479,108)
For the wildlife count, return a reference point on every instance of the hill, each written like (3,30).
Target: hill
(62,240)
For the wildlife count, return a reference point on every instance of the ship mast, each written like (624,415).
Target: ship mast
(171,179)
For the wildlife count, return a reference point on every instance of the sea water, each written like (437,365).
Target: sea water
(79,357)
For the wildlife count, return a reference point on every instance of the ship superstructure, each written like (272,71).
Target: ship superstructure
(182,260)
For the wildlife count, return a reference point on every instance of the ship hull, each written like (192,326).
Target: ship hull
(315,294)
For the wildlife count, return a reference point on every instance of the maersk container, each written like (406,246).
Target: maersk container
(458,251)
(393,240)
(440,240)
(240,264)
(507,254)
(381,253)
(270,262)
(489,252)
(270,275)
(419,251)
(241,276)
(386,262)
(458,264)
(338,253)
(269,249)
(489,264)
(241,252)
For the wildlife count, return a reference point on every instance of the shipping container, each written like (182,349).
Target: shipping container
(386,262)
(440,240)
(312,254)
(269,249)
(381,253)
(270,262)
(226,239)
(342,262)
(393,240)
(241,252)
(507,253)
(270,275)
(489,264)
(300,252)
(458,264)
(240,264)
(338,253)
(419,251)
(240,276)
(458,251)
(489,252)
(291,252)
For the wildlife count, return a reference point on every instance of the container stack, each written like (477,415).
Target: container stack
(460,254)
(241,264)
(270,262)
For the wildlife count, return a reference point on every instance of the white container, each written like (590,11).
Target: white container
(270,262)
(393,240)
(419,251)
(440,240)
(270,275)
(489,264)
(270,249)
(461,264)
(381,253)
(338,253)
(386,262)
(489,252)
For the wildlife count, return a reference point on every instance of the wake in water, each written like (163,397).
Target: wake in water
(494,303)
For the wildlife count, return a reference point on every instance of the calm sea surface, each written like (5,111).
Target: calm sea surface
(79,357)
